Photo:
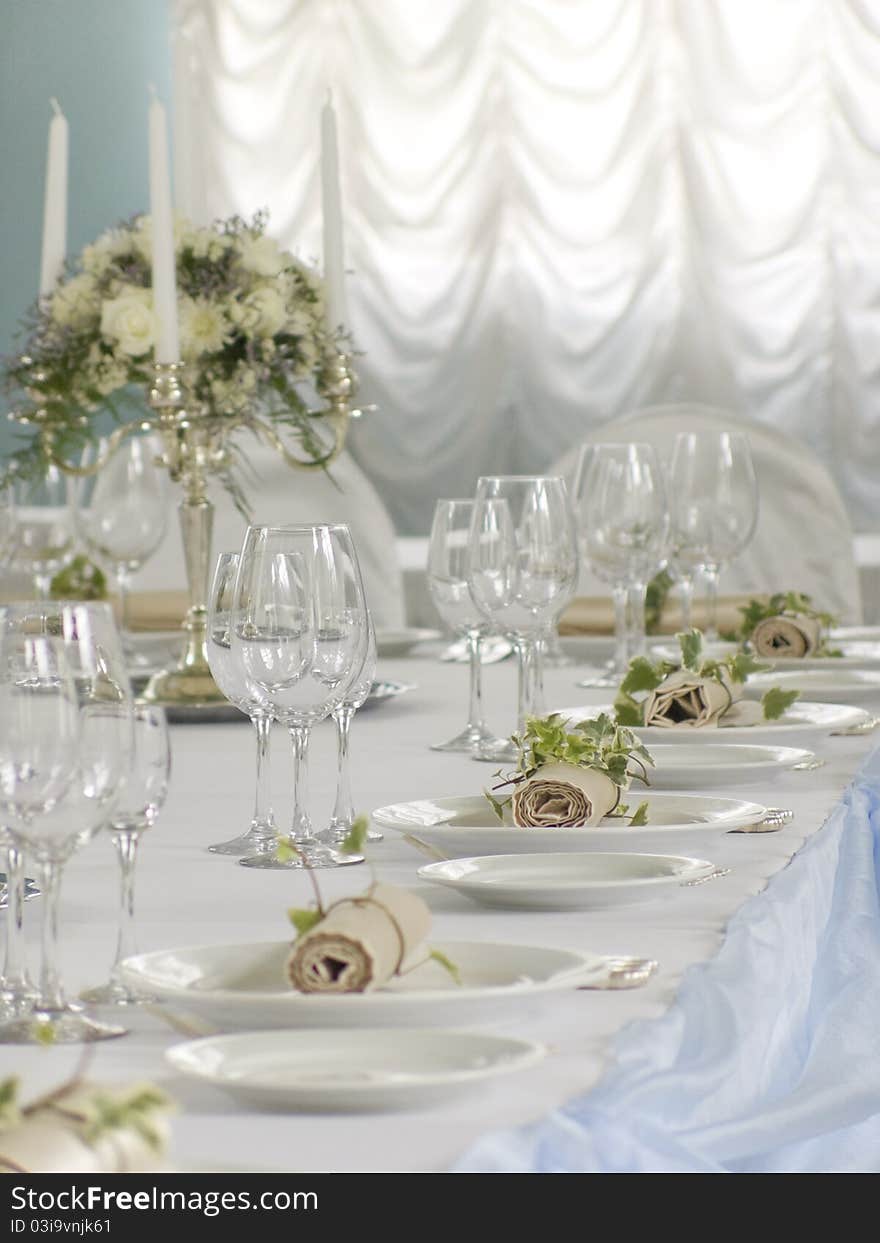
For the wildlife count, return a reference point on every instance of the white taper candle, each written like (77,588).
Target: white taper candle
(331,203)
(54,203)
(164,271)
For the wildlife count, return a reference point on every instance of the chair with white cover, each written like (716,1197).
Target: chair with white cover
(278,495)
(803,540)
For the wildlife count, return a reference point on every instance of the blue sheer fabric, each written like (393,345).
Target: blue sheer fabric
(769,1059)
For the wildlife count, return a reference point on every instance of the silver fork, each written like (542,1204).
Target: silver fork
(623,973)
(775,819)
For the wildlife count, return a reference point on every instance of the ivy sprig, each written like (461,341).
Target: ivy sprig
(644,676)
(781,604)
(600,743)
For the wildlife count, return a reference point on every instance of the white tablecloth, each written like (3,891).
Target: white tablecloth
(187,896)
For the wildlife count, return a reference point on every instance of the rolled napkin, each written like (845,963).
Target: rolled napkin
(564,796)
(686,700)
(69,1134)
(788,635)
(595,615)
(360,943)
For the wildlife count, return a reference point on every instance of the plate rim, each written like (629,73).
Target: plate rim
(526,1053)
(590,964)
(702,867)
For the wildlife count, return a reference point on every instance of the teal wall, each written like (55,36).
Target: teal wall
(97,57)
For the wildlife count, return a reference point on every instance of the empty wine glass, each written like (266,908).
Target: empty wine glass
(42,536)
(622,522)
(142,798)
(65,751)
(121,513)
(522,571)
(16,986)
(448,561)
(227,668)
(301,630)
(713,509)
(343,811)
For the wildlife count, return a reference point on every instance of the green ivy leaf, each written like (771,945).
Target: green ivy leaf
(691,644)
(356,837)
(10,1115)
(741,665)
(304,920)
(446,963)
(497,805)
(642,676)
(639,816)
(777,701)
(627,711)
(285,851)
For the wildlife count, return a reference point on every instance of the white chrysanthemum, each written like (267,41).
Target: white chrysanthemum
(300,322)
(261,255)
(76,301)
(129,321)
(106,373)
(206,243)
(261,314)
(203,327)
(112,244)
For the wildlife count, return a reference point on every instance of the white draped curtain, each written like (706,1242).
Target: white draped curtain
(559,210)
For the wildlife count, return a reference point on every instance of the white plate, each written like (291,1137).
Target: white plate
(820,685)
(236,987)
(367,1069)
(685,765)
(566,882)
(803,724)
(400,642)
(857,654)
(466,825)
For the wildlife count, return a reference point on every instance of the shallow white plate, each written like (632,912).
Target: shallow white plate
(804,724)
(685,765)
(857,654)
(235,987)
(400,642)
(343,1070)
(566,882)
(466,825)
(845,685)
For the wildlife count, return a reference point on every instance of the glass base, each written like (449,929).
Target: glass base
(115,993)
(498,752)
(311,855)
(256,841)
(50,1027)
(336,834)
(607,675)
(471,740)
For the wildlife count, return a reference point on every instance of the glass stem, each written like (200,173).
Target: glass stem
(126,843)
(475,702)
(620,596)
(636,642)
(343,812)
(43,584)
(264,818)
(710,576)
(686,600)
(531,680)
(123,582)
(301,825)
(50,997)
(15,977)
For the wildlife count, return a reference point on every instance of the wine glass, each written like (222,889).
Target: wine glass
(142,798)
(16,987)
(301,630)
(713,509)
(65,752)
(8,522)
(42,537)
(448,560)
(225,663)
(121,513)
(622,522)
(343,811)
(522,570)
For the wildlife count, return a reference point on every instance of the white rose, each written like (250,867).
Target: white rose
(75,302)
(261,255)
(203,327)
(130,321)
